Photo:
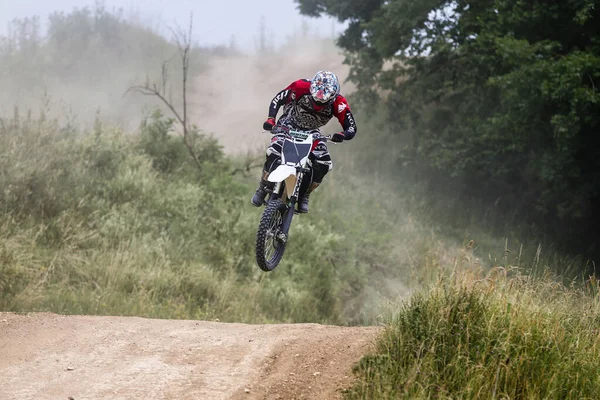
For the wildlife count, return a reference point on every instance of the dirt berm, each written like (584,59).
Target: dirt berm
(48,356)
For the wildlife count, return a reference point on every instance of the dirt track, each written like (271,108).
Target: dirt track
(47,356)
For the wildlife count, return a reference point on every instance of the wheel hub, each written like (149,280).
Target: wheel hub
(282,237)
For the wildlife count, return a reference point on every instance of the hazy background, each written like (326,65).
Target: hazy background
(216,22)
(245,53)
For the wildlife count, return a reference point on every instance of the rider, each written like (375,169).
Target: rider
(307,105)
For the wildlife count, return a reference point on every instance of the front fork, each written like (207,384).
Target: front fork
(287,219)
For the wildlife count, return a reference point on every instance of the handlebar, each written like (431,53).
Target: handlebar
(282,129)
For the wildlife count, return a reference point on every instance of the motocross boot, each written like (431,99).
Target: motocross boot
(263,188)
(303,202)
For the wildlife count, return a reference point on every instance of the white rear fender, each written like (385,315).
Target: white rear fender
(281,173)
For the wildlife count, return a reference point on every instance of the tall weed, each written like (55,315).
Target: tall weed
(105,222)
(486,335)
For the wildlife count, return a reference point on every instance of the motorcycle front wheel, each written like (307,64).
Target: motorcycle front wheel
(270,240)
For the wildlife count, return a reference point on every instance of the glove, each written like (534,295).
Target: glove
(269,124)
(338,137)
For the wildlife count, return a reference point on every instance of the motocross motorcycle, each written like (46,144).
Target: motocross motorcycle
(275,223)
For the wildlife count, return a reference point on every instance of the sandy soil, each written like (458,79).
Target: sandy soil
(48,356)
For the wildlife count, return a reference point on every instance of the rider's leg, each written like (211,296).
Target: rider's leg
(272,161)
(321,165)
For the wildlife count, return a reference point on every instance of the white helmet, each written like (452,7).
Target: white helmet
(324,88)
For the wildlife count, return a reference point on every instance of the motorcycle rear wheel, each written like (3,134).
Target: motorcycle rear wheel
(269,243)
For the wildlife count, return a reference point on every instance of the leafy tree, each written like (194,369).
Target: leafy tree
(500,94)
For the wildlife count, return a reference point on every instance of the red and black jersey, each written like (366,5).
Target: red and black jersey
(302,113)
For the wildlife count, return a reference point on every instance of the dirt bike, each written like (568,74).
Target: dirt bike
(275,223)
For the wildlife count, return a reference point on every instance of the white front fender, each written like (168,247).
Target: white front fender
(281,173)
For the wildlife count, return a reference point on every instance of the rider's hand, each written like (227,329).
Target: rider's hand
(338,137)
(269,124)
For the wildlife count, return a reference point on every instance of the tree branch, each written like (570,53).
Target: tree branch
(249,164)
(184,45)
(153,91)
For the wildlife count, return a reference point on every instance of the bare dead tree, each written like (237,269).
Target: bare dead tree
(183,39)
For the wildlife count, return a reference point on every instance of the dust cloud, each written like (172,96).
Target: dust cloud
(231,99)
(82,75)
(228,94)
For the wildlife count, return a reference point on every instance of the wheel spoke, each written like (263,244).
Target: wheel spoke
(272,243)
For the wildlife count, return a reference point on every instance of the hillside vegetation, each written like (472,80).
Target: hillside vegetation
(109,223)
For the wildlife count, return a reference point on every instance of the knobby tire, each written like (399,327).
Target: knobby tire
(270,225)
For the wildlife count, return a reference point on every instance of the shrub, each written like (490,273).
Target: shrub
(504,335)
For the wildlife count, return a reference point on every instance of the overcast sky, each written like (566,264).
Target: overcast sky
(215,21)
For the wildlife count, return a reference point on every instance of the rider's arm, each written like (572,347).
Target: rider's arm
(279,100)
(341,110)
(288,95)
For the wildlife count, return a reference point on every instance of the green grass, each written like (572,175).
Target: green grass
(106,222)
(495,335)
